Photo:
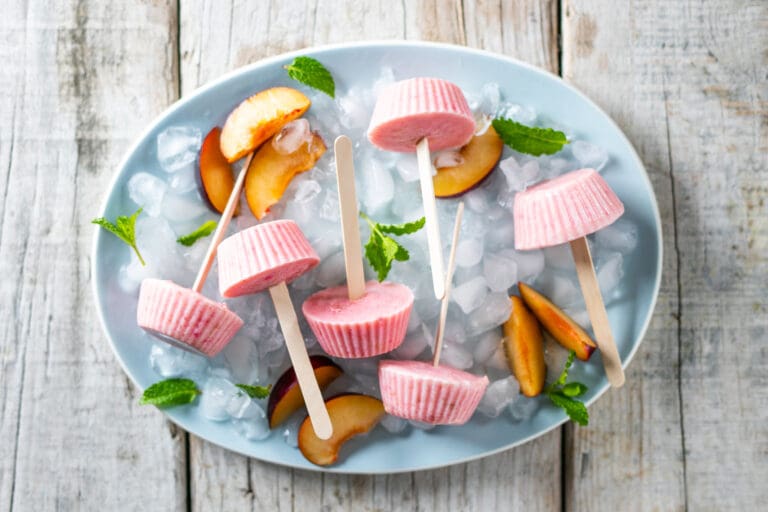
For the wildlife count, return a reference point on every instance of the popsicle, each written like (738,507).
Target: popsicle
(432,393)
(567,209)
(185,317)
(418,115)
(263,257)
(358,319)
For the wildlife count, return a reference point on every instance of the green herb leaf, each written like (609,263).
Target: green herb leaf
(573,389)
(381,250)
(255,391)
(204,230)
(564,394)
(311,72)
(529,139)
(403,229)
(170,393)
(124,229)
(575,410)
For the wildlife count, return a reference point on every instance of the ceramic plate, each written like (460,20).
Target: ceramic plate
(381,452)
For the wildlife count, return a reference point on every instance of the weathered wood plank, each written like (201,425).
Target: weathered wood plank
(527,476)
(79,81)
(686,81)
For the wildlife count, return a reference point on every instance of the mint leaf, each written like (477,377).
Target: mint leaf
(124,229)
(311,72)
(170,393)
(204,230)
(255,391)
(381,250)
(403,229)
(529,139)
(575,410)
(564,394)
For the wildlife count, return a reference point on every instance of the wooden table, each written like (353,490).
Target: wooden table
(686,80)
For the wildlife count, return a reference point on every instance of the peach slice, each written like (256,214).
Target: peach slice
(565,331)
(350,415)
(286,397)
(480,157)
(259,118)
(215,173)
(524,347)
(270,172)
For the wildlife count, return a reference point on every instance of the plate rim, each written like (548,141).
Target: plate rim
(314,50)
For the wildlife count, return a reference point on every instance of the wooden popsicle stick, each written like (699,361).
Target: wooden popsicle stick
(430,212)
(350,229)
(221,228)
(297,351)
(448,285)
(590,288)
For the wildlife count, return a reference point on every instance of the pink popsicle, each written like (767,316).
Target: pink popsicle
(439,395)
(371,325)
(262,256)
(185,318)
(563,209)
(419,108)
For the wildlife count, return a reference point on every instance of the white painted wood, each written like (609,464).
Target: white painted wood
(219,36)
(686,81)
(80,80)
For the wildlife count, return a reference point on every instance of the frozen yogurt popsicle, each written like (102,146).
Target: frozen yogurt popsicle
(416,115)
(185,318)
(567,209)
(358,319)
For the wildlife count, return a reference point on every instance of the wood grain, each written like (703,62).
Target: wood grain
(686,81)
(79,82)
(528,476)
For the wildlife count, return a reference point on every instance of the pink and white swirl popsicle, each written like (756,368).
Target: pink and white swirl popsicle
(358,319)
(416,115)
(567,209)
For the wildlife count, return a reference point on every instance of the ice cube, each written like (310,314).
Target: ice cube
(589,155)
(477,200)
(519,176)
(216,395)
(379,187)
(455,356)
(529,263)
(491,97)
(147,191)
(407,167)
(291,429)
(393,424)
(454,330)
(182,208)
(523,408)
(470,295)
(448,158)
(469,252)
(306,191)
(421,425)
(522,114)
(177,147)
(493,311)
(486,345)
(498,360)
(555,357)
(329,209)
(560,290)
(292,136)
(414,344)
(414,322)
(184,180)
(501,234)
(254,428)
(609,273)
(355,109)
(157,243)
(620,236)
(168,361)
(269,337)
(559,256)
(499,394)
(242,406)
(500,272)
(331,271)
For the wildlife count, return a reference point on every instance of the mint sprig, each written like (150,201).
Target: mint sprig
(311,72)
(529,139)
(563,394)
(381,250)
(124,228)
(170,393)
(204,230)
(255,391)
